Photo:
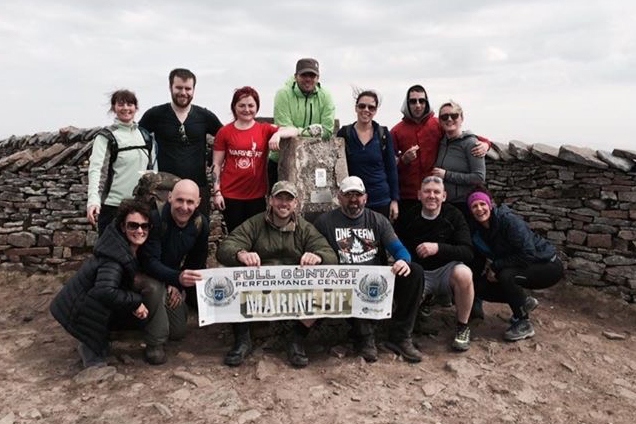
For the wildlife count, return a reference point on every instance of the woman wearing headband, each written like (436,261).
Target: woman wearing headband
(514,258)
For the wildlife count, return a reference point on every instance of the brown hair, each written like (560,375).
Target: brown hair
(122,96)
(184,74)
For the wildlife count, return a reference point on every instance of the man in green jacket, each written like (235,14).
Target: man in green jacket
(302,103)
(275,237)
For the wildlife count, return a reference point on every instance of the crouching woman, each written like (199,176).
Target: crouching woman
(103,286)
(516,258)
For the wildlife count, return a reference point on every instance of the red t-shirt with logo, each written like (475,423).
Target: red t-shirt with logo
(244,173)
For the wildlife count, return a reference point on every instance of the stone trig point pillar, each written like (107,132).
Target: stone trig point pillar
(315,166)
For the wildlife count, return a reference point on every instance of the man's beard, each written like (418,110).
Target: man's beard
(178,100)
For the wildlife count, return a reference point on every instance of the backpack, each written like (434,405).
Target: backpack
(114,150)
(381,132)
(153,189)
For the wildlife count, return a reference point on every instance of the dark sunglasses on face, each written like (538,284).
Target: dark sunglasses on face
(183,135)
(445,116)
(363,106)
(352,194)
(134,226)
(416,101)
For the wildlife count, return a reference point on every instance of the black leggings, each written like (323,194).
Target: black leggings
(511,281)
(237,211)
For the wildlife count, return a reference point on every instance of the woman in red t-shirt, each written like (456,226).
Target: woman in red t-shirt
(240,159)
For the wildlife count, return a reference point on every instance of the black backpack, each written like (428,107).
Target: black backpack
(153,189)
(114,150)
(381,132)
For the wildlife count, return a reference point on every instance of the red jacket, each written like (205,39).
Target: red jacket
(426,134)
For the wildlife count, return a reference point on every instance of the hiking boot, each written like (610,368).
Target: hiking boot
(521,329)
(405,348)
(155,355)
(462,339)
(242,348)
(90,358)
(367,349)
(296,353)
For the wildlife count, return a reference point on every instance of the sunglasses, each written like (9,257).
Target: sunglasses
(445,116)
(432,179)
(363,106)
(416,101)
(183,135)
(134,226)
(352,194)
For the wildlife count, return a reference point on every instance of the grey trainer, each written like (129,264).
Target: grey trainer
(519,330)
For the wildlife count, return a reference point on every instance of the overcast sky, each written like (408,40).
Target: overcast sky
(554,72)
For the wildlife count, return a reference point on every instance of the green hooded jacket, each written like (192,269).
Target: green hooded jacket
(293,108)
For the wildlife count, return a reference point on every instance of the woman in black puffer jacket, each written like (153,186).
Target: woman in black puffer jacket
(103,286)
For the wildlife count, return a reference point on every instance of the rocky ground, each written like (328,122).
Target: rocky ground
(579,368)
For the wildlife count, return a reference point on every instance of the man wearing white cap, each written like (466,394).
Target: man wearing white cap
(359,236)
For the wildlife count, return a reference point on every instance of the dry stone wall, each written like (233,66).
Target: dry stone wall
(584,201)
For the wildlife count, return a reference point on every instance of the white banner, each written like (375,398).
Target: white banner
(272,293)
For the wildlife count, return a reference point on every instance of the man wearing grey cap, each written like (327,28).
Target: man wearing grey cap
(277,236)
(359,236)
(303,103)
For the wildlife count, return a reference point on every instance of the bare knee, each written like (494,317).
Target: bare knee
(461,277)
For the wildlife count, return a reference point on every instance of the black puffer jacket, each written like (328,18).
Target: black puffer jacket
(101,286)
(509,242)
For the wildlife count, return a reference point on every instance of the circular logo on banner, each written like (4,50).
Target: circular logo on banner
(372,288)
(219,292)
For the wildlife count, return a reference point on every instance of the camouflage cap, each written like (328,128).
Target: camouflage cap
(284,187)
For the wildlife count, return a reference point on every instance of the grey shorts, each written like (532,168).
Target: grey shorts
(437,281)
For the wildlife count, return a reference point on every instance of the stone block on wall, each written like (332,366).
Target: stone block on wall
(581,264)
(616,260)
(628,235)
(627,196)
(599,240)
(69,238)
(21,239)
(576,237)
(585,278)
(28,251)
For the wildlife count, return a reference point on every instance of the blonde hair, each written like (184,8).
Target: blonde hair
(454,105)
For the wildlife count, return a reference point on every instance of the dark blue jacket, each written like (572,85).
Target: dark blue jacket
(509,242)
(374,163)
(170,248)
